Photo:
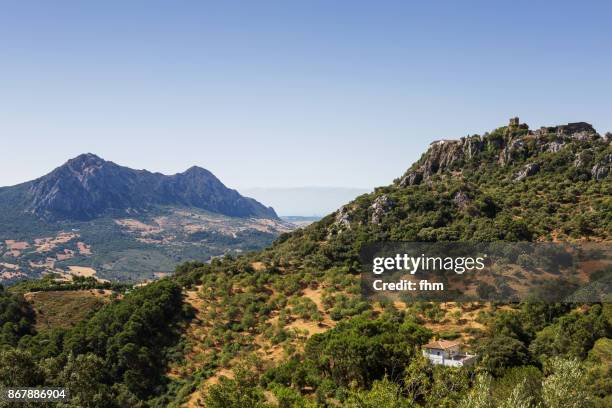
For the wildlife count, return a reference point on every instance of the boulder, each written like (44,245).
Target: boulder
(462,200)
(343,217)
(516,148)
(602,169)
(380,207)
(527,171)
(583,158)
(554,147)
(411,179)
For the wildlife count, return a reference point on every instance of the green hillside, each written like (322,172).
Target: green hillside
(287,327)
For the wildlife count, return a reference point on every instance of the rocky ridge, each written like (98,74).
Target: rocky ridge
(514,152)
(87,187)
(515,143)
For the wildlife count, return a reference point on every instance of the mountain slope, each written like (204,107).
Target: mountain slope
(94,217)
(88,187)
(511,184)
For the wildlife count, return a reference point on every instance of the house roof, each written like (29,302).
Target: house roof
(441,344)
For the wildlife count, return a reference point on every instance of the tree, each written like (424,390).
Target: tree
(418,378)
(18,369)
(449,386)
(362,350)
(503,351)
(519,397)
(480,395)
(565,386)
(573,335)
(86,377)
(240,392)
(599,371)
(290,398)
(383,394)
(529,378)
(16,317)
(130,336)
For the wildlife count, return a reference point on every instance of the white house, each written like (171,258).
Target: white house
(447,353)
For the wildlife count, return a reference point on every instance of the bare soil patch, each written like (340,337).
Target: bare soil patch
(82,271)
(64,309)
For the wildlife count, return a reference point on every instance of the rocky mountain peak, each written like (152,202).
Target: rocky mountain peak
(471,177)
(87,187)
(84,162)
(511,144)
(196,170)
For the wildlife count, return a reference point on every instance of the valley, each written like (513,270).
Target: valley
(146,246)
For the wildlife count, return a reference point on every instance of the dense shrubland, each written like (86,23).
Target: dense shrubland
(114,359)
(16,318)
(251,312)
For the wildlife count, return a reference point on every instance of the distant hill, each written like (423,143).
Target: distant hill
(301,221)
(88,187)
(93,217)
(305,201)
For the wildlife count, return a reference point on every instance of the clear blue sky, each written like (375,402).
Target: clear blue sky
(288,93)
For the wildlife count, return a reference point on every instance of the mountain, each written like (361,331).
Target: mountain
(93,217)
(510,184)
(88,187)
(288,325)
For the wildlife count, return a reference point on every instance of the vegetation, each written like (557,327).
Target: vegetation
(287,326)
(126,252)
(116,357)
(16,318)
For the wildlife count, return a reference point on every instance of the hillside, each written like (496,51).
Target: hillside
(512,184)
(94,217)
(287,327)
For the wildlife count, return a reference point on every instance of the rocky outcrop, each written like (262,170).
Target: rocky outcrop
(583,158)
(411,178)
(602,169)
(462,200)
(578,130)
(514,143)
(87,187)
(441,155)
(343,217)
(513,150)
(380,207)
(554,146)
(527,171)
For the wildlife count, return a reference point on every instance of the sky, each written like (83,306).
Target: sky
(304,201)
(287,93)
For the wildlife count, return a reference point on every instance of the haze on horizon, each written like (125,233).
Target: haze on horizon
(279,95)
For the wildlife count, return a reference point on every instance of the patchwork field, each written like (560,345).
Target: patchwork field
(141,248)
